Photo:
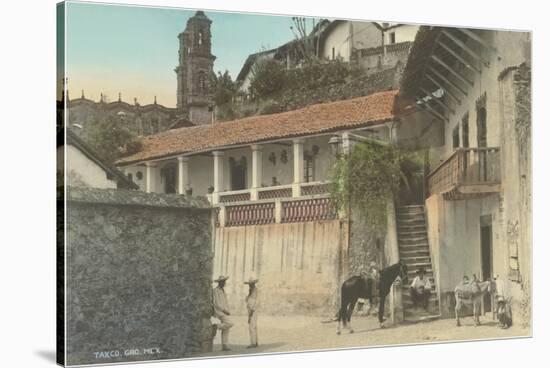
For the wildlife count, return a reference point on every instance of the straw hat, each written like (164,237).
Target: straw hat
(221,278)
(251,280)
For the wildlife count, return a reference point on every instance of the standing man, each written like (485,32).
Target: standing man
(221,310)
(251,306)
(421,289)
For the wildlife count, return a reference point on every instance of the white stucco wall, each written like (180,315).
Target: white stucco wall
(403,33)
(134,170)
(365,35)
(454,226)
(81,171)
(338,39)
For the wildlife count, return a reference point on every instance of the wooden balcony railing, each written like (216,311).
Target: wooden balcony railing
(467,167)
(314,188)
(235,196)
(308,210)
(250,214)
(281,191)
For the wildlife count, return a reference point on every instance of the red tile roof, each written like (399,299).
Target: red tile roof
(325,117)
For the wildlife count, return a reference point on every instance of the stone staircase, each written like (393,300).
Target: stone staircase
(414,250)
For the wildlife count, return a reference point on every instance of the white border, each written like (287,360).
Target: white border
(27,186)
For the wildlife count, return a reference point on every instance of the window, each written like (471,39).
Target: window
(392,38)
(456,137)
(199,41)
(129,175)
(481,127)
(465,131)
(309,168)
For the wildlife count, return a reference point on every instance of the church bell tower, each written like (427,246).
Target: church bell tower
(195,70)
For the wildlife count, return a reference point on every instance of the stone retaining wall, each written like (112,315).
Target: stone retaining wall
(139,270)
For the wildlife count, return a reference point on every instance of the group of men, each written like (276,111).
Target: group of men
(221,311)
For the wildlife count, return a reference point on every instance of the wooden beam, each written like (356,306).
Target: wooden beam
(447,92)
(436,99)
(449,82)
(427,108)
(453,72)
(475,37)
(438,117)
(458,57)
(463,46)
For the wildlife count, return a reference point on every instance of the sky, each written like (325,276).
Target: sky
(134,50)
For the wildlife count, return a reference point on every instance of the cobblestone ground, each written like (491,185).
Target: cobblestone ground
(284,334)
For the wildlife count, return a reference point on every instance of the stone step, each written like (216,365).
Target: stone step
(411,222)
(405,290)
(408,232)
(411,256)
(407,210)
(410,216)
(412,227)
(416,265)
(414,247)
(411,273)
(412,237)
(418,239)
(406,298)
(410,259)
(411,251)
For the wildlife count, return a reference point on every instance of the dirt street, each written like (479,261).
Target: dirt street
(284,334)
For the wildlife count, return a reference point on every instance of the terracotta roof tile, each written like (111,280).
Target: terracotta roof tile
(325,117)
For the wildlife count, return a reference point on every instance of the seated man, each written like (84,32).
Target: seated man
(421,289)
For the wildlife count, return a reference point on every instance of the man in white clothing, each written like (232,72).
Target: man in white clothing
(421,289)
(221,310)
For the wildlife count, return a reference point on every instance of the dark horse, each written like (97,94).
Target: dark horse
(359,287)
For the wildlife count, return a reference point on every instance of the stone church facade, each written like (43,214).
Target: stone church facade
(194,97)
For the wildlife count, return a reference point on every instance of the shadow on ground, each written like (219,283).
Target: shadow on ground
(242,349)
(47,355)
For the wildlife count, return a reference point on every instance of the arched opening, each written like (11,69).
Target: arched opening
(202,81)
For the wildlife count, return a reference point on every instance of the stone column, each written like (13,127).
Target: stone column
(256,170)
(347,143)
(218,176)
(183,174)
(298,148)
(150,177)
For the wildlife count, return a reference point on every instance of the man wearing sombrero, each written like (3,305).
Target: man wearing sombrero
(221,310)
(251,305)
(421,289)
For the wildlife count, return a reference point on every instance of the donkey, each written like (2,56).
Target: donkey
(358,287)
(471,293)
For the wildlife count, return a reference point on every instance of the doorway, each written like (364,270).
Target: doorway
(168,175)
(486,238)
(237,171)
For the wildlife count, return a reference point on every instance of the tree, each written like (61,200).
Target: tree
(367,178)
(111,139)
(307,43)
(224,88)
(268,78)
